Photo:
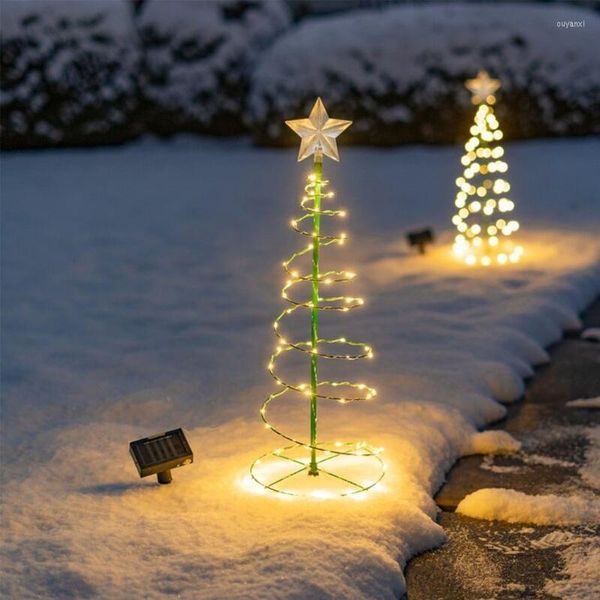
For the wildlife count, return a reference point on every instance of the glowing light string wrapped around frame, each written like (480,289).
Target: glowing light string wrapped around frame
(281,469)
(482,207)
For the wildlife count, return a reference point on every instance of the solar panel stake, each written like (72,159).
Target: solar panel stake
(164,476)
(420,239)
(158,454)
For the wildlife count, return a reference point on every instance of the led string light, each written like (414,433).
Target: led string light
(312,457)
(482,207)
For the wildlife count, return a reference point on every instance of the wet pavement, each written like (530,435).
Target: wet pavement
(491,559)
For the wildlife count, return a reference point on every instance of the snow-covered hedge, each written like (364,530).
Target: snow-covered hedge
(68,72)
(399,72)
(198,58)
(87,71)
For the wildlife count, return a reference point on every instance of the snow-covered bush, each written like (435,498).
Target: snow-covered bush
(399,72)
(68,72)
(198,56)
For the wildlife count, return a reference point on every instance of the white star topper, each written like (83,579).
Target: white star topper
(482,86)
(318,132)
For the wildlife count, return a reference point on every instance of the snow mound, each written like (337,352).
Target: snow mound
(399,72)
(584,403)
(516,507)
(68,72)
(197,60)
(492,442)
(592,333)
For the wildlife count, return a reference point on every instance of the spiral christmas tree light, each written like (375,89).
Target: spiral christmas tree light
(482,208)
(311,466)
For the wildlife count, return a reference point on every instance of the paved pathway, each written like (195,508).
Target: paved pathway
(498,560)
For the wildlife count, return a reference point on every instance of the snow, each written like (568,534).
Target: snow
(580,555)
(392,68)
(69,72)
(488,464)
(580,572)
(492,442)
(556,539)
(94,71)
(584,403)
(502,504)
(199,58)
(139,284)
(592,333)
(89,72)
(548,461)
(17,15)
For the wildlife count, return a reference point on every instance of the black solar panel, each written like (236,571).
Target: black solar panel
(420,238)
(161,452)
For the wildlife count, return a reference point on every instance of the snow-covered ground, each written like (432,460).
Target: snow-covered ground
(139,284)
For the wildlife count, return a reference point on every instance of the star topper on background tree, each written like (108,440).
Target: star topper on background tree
(482,87)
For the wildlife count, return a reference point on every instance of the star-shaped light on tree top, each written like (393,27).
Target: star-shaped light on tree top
(318,132)
(482,86)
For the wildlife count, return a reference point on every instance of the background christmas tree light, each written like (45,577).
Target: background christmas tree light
(482,206)
(358,465)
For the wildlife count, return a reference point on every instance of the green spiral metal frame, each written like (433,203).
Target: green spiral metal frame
(309,456)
